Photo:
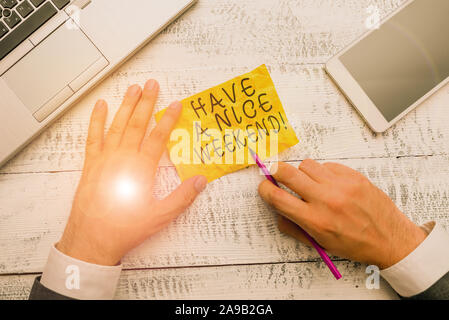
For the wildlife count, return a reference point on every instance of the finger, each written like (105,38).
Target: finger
(288,205)
(292,229)
(95,136)
(138,123)
(156,143)
(121,119)
(339,169)
(296,180)
(315,170)
(180,199)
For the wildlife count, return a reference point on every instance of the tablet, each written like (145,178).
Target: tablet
(394,68)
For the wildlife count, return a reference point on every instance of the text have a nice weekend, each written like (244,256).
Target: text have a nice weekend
(219,125)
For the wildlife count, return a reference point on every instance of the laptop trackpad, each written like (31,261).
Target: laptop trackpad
(51,66)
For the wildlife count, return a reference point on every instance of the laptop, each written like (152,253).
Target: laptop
(53,51)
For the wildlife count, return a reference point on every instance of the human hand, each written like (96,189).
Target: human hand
(114,209)
(343,211)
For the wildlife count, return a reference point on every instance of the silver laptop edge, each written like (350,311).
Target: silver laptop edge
(92,38)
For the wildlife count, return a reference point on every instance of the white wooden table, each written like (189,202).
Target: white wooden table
(227,245)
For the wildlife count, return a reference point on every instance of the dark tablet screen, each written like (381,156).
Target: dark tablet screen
(405,58)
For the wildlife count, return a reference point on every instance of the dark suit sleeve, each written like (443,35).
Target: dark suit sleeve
(39,292)
(439,291)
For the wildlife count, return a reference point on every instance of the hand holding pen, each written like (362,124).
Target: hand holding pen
(343,211)
(317,247)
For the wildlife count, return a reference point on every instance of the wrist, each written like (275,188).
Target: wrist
(85,251)
(403,244)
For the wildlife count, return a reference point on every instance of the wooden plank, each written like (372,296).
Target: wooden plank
(285,31)
(15,287)
(267,281)
(327,126)
(228,224)
(216,41)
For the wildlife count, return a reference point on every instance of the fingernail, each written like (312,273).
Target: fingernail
(200,183)
(274,168)
(175,105)
(101,104)
(134,90)
(151,85)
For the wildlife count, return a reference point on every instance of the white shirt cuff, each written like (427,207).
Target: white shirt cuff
(78,279)
(423,267)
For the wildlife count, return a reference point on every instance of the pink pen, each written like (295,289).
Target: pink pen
(317,247)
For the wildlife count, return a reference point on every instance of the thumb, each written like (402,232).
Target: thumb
(180,199)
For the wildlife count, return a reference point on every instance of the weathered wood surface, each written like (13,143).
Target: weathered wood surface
(227,245)
(228,224)
(327,126)
(217,40)
(272,281)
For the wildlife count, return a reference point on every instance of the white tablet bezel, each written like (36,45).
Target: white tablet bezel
(357,96)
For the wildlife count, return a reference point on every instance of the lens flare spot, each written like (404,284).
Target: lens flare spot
(126,188)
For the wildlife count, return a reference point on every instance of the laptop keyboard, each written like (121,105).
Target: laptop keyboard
(20,18)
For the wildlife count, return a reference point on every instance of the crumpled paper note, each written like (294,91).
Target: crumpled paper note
(219,125)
